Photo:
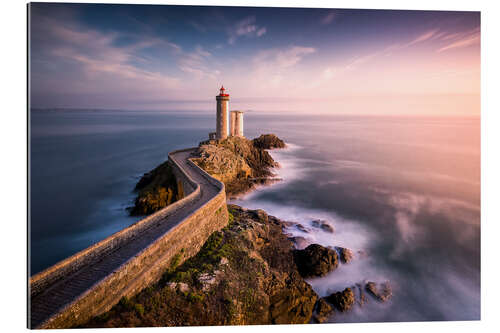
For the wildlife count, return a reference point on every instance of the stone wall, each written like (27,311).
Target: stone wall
(188,184)
(186,238)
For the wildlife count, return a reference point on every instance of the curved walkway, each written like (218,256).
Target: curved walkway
(66,290)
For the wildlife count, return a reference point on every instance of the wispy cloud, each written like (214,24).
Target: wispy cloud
(275,68)
(350,65)
(99,59)
(329,18)
(282,58)
(424,37)
(454,40)
(246,27)
(199,27)
(196,63)
(463,40)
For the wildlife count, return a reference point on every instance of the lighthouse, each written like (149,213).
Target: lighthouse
(236,123)
(222,126)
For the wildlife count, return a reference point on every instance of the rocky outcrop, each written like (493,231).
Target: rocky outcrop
(345,254)
(322,310)
(362,295)
(342,300)
(244,274)
(268,141)
(322,224)
(382,294)
(300,242)
(237,162)
(315,260)
(301,228)
(156,189)
(222,163)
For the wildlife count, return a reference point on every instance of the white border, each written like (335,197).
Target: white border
(13,152)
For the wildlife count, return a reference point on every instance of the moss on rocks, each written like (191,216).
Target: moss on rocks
(243,274)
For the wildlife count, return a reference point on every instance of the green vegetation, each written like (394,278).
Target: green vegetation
(243,274)
(139,308)
(125,303)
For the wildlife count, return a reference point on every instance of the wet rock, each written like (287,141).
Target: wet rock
(244,274)
(345,254)
(322,310)
(268,141)
(342,300)
(292,302)
(322,224)
(315,260)
(287,223)
(382,294)
(260,215)
(300,242)
(362,254)
(275,221)
(362,295)
(301,228)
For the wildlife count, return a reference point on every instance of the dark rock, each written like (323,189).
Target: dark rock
(381,295)
(268,141)
(275,221)
(300,242)
(243,274)
(315,260)
(156,190)
(342,300)
(362,254)
(260,215)
(291,302)
(323,225)
(288,223)
(302,228)
(345,254)
(322,310)
(362,295)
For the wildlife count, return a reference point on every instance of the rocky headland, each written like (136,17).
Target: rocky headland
(250,272)
(156,189)
(244,274)
(238,162)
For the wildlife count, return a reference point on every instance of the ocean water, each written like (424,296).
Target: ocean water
(402,192)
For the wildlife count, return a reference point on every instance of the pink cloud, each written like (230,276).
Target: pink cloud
(329,18)
(464,42)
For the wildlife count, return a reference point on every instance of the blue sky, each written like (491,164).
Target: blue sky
(176,57)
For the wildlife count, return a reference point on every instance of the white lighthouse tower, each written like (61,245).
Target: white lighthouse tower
(222,126)
(236,123)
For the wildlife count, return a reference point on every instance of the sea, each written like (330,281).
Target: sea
(402,192)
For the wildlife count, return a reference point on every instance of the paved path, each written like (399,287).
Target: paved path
(66,290)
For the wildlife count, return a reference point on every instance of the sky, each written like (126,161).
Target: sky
(343,61)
